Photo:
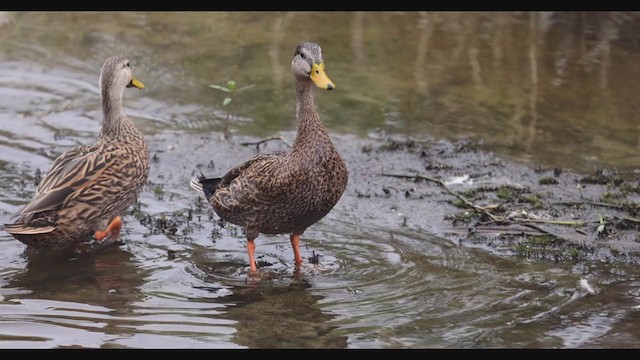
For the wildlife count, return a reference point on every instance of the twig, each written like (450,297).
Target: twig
(416,176)
(541,229)
(446,188)
(637,221)
(501,229)
(555,222)
(258,143)
(594,203)
(485,210)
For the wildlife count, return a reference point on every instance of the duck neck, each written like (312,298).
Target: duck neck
(310,128)
(113,115)
(115,123)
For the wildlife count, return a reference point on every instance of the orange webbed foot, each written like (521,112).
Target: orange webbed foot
(112,230)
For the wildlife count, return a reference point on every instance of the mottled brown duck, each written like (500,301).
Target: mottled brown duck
(285,193)
(87,188)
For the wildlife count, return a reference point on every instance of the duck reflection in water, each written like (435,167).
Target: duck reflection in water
(106,276)
(280,310)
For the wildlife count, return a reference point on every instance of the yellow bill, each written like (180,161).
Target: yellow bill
(320,78)
(136,83)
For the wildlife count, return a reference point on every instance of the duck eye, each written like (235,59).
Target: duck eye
(127,64)
(302,55)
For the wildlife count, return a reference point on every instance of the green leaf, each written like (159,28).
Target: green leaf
(246,87)
(226,101)
(231,85)
(600,219)
(600,228)
(218,87)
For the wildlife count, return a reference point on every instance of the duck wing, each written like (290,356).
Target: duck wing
(73,171)
(255,183)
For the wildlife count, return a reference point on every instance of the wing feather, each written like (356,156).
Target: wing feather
(69,173)
(254,183)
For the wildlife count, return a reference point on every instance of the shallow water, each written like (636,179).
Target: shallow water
(544,88)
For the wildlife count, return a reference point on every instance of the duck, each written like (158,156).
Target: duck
(86,190)
(284,192)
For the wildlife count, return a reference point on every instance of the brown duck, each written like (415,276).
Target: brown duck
(285,192)
(87,188)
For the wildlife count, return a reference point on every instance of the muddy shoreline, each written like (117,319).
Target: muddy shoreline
(448,189)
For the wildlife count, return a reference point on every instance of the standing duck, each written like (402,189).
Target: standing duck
(285,192)
(87,188)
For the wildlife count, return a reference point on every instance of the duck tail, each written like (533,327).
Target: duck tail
(202,184)
(21,229)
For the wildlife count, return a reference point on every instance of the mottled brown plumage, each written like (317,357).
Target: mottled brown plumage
(290,191)
(88,187)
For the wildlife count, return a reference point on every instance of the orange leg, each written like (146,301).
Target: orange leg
(295,243)
(113,230)
(251,248)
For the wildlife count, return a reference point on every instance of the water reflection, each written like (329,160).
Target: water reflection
(281,317)
(107,277)
(64,298)
(275,309)
(518,82)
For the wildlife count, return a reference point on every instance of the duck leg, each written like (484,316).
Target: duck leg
(113,230)
(295,243)
(252,234)
(251,249)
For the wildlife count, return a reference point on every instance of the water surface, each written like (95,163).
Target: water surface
(552,89)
